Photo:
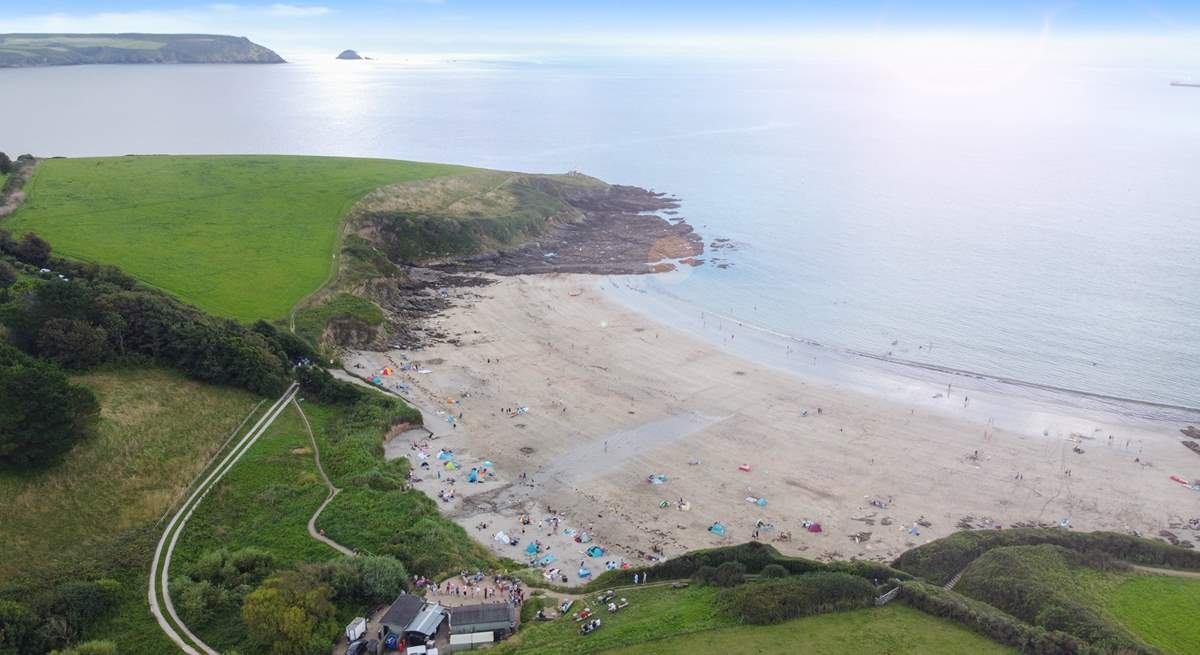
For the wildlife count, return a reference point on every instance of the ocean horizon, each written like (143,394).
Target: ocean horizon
(1041,228)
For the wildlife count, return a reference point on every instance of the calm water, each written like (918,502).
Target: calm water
(1045,230)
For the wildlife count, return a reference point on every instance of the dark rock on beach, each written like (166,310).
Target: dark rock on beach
(618,235)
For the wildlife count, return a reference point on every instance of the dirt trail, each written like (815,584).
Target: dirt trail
(333,491)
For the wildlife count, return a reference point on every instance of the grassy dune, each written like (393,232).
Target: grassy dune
(245,237)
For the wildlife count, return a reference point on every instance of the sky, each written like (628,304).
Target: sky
(534,28)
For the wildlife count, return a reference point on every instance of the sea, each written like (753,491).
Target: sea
(1039,225)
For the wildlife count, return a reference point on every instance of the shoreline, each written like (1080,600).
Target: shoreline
(890,365)
(614,397)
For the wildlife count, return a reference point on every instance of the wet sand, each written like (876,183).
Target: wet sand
(614,397)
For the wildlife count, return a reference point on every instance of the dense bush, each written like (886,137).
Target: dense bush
(8,275)
(18,628)
(773,571)
(56,617)
(383,578)
(729,574)
(990,622)
(777,600)
(42,415)
(942,559)
(319,385)
(219,580)
(291,614)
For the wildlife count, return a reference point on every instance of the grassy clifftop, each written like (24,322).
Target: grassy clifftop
(20,50)
(244,237)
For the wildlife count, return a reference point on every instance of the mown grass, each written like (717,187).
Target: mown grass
(665,620)
(245,237)
(95,514)
(895,629)
(1163,611)
(654,613)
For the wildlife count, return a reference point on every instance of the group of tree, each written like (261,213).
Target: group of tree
(56,618)
(42,414)
(6,164)
(83,314)
(73,316)
(290,611)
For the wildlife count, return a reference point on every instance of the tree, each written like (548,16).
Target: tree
(33,250)
(42,415)
(383,577)
(72,344)
(6,164)
(291,614)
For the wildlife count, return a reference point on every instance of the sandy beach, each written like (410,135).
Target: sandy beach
(613,397)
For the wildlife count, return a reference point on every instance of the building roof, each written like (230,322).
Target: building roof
(427,622)
(482,618)
(402,612)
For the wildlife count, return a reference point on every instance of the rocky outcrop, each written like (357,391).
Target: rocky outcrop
(349,54)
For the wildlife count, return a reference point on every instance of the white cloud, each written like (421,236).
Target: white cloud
(280,9)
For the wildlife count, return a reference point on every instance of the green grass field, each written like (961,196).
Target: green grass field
(1164,611)
(662,620)
(245,237)
(895,630)
(94,515)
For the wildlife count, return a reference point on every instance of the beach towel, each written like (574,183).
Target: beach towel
(501,537)
(531,548)
(595,551)
(584,573)
(761,502)
(744,468)
(717,529)
(815,527)
(546,560)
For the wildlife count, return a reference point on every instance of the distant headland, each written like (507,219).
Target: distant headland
(23,50)
(349,54)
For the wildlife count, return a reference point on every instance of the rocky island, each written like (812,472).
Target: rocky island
(349,54)
(22,50)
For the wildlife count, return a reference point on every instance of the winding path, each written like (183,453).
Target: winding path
(159,592)
(333,491)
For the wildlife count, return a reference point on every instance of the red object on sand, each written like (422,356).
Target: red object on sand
(1180,480)
(744,467)
(814,527)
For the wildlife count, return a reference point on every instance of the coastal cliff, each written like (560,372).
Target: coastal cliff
(24,50)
